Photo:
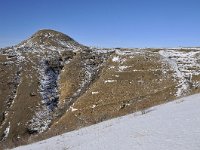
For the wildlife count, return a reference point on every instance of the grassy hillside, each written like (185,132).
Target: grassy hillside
(50,84)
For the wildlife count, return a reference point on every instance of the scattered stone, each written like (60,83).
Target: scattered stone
(33,94)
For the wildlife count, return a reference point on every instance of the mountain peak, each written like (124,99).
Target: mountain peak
(48,37)
(48,33)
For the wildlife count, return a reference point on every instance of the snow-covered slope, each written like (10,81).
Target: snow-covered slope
(172,126)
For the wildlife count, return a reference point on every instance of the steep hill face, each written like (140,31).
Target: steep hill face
(51,84)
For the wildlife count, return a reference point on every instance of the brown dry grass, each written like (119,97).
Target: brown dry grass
(24,105)
(147,81)
(123,96)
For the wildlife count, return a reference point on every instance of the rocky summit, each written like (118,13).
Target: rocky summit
(51,84)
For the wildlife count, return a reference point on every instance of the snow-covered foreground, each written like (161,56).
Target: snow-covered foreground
(172,126)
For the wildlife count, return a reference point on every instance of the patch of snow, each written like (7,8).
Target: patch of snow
(63,43)
(93,106)
(110,81)
(73,109)
(116,59)
(93,93)
(48,87)
(101,50)
(185,48)
(49,93)
(129,52)
(141,81)
(180,62)
(40,122)
(6,132)
(122,68)
(111,67)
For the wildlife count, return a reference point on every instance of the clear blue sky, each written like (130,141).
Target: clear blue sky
(104,23)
